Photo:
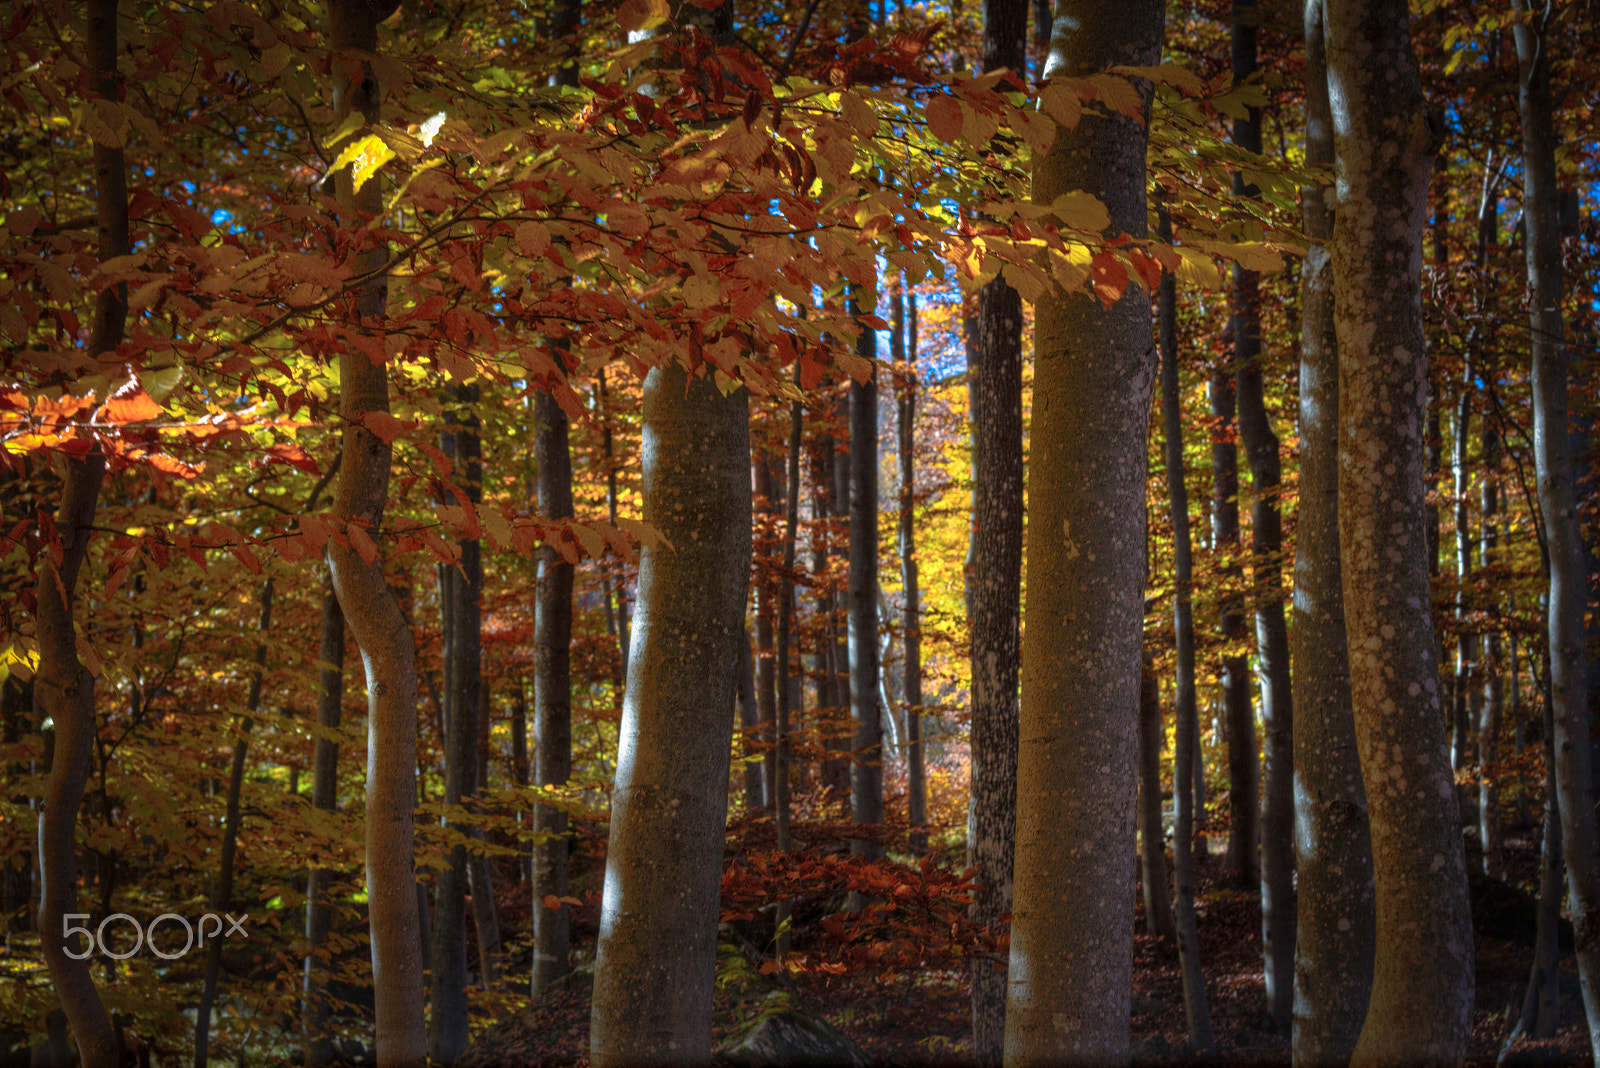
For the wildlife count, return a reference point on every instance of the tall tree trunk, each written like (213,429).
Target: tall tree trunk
(1334,943)
(370,608)
(1072,913)
(1421,1005)
(786,707)
(1465,696)
(652,993)
(911,621)
(1266,549)
(1558,505)
(833,693)
(552,702)
(620,620)
(63,690)
(318,1047)
(1186,729)
(222,896)
(461,589)
(1541,1001)
(994,582)
(866,772)
(749,724)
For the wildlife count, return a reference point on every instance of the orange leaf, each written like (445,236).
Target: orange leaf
(384,425)
(132,408)
(944,117)
(362,543)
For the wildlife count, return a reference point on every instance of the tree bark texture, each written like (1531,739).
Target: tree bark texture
(1071,960)
(1333,852)
(1558,506)
(552,700)
(370,608)
(1421,1005)
(656,958)
(994,591)
(63,687)
(1186,729)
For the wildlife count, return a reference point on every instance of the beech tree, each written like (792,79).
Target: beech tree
(1333,852)
(1072,912)
(652,995)
(1384,144)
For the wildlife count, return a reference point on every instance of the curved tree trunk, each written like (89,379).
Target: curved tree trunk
(63,689)
(370,608)
(1333,851)
(1559,509)
(652,992)
(1072,914)
(1186,729)
(1421,1005)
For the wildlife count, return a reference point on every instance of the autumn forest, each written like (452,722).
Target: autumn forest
(866,531)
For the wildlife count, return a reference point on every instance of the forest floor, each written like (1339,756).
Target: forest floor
(922,1017)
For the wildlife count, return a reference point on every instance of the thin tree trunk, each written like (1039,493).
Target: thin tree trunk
(1186,730)
(370,608)
(866,778)
(1490,831)
(1421,1005)
(911,620)
(552,703)
(1276,820)
(1334,943)
(1541,1002)
(63,687)
(1558,505)
(1072,914)
(318,1046)
(222,896)
(1239,722)
(785,631)
(461,589)
(652,992)
(1465,696)
(749,724)
(766,668)
(1158,915)
(832,684)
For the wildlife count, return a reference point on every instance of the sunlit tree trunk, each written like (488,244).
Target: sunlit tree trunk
(1420,1010)
(1071,962)
(866,771)
(370,609)
(1333,851)
(905,359)
(1558,505)
(656,957)
(63,689)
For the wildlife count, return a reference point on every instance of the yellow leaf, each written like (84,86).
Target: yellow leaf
(1081,211)
(1197,268)
(1062,103)
(364,156)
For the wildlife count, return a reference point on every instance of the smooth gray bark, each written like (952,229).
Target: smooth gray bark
(652,989)
(1558,505)
(1421,1005)
(1070,981)
(370,608)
